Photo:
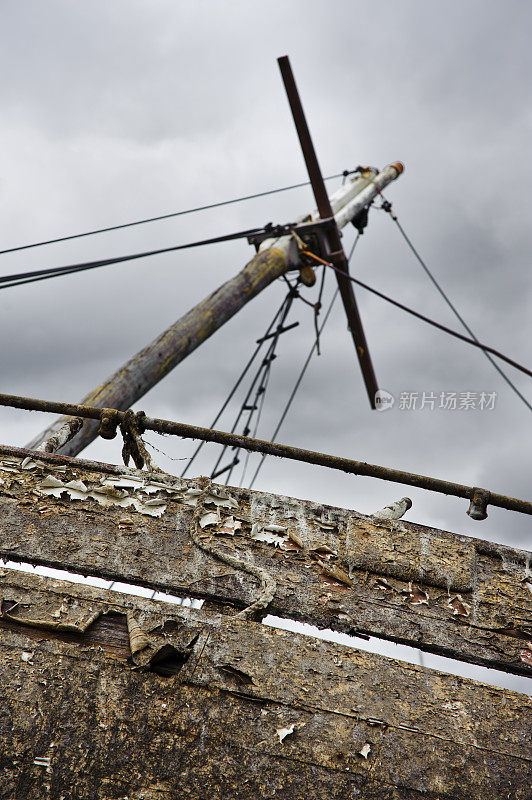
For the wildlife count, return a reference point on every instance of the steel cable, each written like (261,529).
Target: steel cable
(171,215)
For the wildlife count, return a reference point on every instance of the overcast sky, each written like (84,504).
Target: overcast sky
(114,111)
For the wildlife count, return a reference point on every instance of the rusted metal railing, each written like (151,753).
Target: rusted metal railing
(111,418)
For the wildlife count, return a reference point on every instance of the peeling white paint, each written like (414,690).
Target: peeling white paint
(228,526)
(9,465)
(263,535)
(211,518)
(364,751)
(216,497)
(459,606)
(282,733)
(417,596)
(105,495)
(43,761)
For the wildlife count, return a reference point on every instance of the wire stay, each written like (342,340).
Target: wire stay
(315,347)
(297,384)
(259,384)
(387,206)
(241,377)
(54,272)
(428,320)
(171,215)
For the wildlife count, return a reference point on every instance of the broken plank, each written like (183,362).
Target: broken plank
(246,710)
(334,568)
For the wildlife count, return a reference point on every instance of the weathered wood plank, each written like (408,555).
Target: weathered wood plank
(444,593)
(365,726)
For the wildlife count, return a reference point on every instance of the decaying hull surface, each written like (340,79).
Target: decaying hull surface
(106,695)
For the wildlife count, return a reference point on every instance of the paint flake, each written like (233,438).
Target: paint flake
(132,482)
(282,733)
(28,463)
(295,539)
(323,549)
(416,596)
(458,606)
(268,537)
(364,751)
(221,499)
(336,573)
(382,583)
(106,495)
(211,518)
(43,761)
(229,526)
(6,468)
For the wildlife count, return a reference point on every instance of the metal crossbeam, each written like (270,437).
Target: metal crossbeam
(324,207)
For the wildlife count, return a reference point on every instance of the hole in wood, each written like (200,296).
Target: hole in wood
(173,663)
(168,661)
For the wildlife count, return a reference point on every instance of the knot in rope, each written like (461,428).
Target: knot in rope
(131,428)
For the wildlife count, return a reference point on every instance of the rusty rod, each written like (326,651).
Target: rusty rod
(270,448)
(324,207)
(305,139)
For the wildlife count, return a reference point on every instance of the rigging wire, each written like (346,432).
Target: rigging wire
(256,427)
(265,361)
(262,377)
(387,206)
(241,377)
(261,392)
(422,317)
(301,375)
(292,294)
(54,272)
(296,386)
(317,308)
(171,215)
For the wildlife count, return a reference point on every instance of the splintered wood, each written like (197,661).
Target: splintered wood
(209,706)
(112,696)
(334,568)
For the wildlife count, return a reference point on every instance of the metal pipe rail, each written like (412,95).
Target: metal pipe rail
(281,450)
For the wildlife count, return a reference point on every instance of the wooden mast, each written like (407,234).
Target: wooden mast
(146,368)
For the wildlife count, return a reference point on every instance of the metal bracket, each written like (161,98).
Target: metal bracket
(315,235)
(270,232)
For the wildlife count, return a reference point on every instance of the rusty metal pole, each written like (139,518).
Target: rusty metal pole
(111,418)
(324,207)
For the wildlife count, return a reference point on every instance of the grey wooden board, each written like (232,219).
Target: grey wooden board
(445,593)
(112,728)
